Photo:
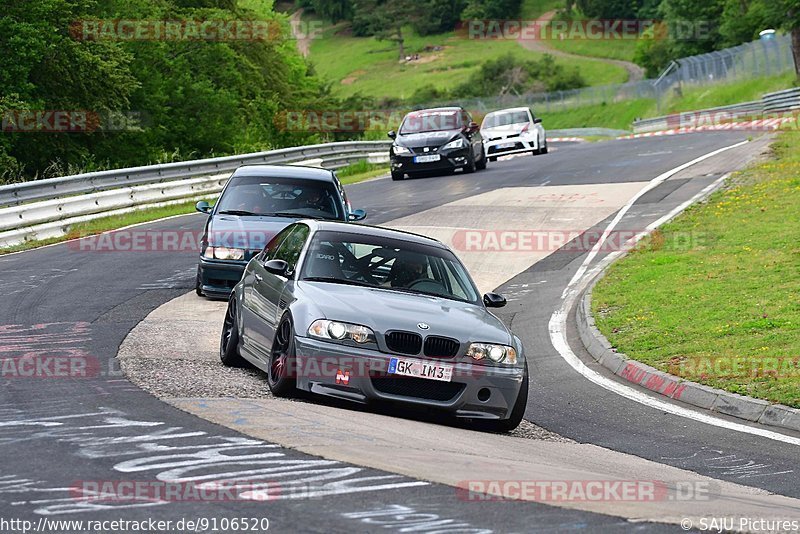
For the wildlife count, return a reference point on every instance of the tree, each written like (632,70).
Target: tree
(788,11)
(385,19)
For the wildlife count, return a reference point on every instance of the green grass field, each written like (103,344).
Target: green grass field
(621,114)
(371,67)
(713,297)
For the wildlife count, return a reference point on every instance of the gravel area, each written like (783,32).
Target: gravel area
(173,354)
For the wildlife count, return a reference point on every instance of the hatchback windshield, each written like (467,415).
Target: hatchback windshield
(430,121)
(496,120)
(253,195)
(391,264)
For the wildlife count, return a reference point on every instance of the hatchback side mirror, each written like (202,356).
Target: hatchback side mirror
(537,121)
(277,267)
(493,300)
(203,207)
(473,127)
(392,134)
(357,215)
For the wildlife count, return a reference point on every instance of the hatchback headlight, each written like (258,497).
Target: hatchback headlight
(494,353)
(401,150)
(338,331)
(224,253)
(455,143)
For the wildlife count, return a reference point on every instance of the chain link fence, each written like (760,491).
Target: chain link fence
(750,60)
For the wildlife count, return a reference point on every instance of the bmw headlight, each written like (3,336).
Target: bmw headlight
(338,331)
(455,143)
(224,253)
(494,353)
(401,150)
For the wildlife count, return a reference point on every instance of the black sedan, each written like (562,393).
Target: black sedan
(435,141)
(365,314)
(258,202)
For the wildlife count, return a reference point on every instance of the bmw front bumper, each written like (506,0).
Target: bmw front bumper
(357,374)
(217,277)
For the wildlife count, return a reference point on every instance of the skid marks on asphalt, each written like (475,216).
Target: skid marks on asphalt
(154,450)
(728,464)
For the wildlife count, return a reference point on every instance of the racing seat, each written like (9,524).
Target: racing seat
(324,263)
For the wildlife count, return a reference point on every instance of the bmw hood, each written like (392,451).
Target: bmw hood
(429,139)
(384,310)
(250,232)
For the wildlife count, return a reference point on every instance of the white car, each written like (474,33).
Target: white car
(512,131)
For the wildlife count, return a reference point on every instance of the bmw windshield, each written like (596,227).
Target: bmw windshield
(391,264)
(282,197)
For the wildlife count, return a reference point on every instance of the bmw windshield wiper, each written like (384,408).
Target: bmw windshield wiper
(335,280)
(296,215)
(237,212)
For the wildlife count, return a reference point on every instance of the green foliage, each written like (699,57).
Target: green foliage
(491,9)
(510,74)
(197,98)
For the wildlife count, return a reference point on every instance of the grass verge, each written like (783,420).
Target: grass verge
(713,296)
(356,172)
(622,114)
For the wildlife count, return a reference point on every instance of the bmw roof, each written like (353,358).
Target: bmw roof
(285,171)
(377,231)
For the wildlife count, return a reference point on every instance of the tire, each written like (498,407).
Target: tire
(397,176)
(544,149)
(229,353)
(281,377)
(198,284)
(481,165)
(517,412)
(470,167)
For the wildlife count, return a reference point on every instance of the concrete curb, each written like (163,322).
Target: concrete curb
(698,395)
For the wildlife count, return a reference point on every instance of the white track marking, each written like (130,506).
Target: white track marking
(558,328)
(655,182)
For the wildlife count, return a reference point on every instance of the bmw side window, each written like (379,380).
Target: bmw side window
(272,246)
(292,246)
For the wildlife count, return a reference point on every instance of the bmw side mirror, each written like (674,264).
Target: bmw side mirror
(473,127)
(357,215)
(277,267)
(392,134)
(493,300)
(537,121)
(203,207)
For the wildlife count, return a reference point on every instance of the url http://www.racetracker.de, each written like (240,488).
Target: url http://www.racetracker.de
(199,524)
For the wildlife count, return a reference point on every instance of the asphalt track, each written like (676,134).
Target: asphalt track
(58,433)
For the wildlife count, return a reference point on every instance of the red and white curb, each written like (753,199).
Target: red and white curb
(565,139)
(759,124)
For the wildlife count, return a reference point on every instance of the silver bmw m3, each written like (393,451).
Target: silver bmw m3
(370,314)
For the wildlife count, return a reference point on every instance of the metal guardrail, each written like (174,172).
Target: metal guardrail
(770,103)
(781,101)
(45,209)
(104,180)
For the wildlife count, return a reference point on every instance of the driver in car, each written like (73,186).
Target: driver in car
(313,198)
(407,268)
